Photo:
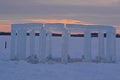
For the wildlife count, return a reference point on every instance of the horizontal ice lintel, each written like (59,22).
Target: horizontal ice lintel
(54,26)
(98,28)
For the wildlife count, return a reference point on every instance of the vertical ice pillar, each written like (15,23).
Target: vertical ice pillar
(18,46)
(87,46)
(65,41)
(101,46)
(23,43)
(32,42)
(110,48)
(108,38)
(42,44)
(39,44)
(49,45)
(113,46)
(13,42)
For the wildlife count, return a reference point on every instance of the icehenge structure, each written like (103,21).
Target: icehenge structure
(59,28)
(110,41)
(18,40)
(19,36)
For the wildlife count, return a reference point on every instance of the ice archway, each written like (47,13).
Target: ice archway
(110,40)
(19,31)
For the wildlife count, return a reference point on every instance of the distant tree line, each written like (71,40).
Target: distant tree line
(59,35)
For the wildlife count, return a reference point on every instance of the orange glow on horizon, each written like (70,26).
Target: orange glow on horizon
(5,25)
(118,31)
(5,28)
(64,21)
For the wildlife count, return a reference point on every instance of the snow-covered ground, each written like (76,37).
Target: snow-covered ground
(21,70)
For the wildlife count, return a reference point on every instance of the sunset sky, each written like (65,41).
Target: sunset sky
(103,12)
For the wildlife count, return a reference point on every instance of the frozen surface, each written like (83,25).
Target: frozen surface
(21,70)
(73,71)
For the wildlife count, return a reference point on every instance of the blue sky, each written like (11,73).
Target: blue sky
(91,11)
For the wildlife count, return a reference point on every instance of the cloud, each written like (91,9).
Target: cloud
(59,2)
(48,10)
(57,6)
(92,11)
(77,2)
(2,21)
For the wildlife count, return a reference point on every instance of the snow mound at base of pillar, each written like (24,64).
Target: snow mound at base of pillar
(33,59)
